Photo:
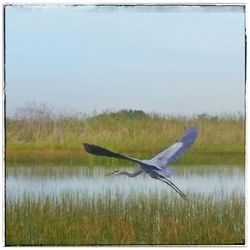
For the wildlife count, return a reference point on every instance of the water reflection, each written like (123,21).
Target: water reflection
(55,181)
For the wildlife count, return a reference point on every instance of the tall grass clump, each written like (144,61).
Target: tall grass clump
(137,219)
(37,134)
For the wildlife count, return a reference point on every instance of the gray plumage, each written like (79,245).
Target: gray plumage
(157,167)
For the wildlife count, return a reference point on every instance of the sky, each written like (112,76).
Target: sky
(169,60)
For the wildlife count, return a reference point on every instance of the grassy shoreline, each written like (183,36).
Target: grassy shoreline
(33,157)
(157,219)
(57,139)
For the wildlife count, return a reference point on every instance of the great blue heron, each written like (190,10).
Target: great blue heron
(157,167)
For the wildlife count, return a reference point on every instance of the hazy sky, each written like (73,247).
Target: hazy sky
(178,60)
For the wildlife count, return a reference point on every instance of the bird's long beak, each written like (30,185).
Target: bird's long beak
(109,173)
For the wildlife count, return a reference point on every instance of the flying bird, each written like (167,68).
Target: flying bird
(157,167)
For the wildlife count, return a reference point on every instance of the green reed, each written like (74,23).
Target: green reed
(136,219)
(58,138)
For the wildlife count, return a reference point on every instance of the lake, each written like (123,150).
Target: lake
(53,182)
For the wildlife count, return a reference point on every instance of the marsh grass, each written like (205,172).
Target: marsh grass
(137,219)
(40,136)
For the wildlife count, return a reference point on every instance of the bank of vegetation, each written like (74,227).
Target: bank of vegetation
(36,135)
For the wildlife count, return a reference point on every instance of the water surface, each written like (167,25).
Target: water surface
(55,181)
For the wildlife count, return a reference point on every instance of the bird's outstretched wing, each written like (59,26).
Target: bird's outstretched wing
(97,150)
(175,151)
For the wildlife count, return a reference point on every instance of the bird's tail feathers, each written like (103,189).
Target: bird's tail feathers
(166,172)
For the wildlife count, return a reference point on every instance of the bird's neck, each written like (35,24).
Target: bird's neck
(125,173)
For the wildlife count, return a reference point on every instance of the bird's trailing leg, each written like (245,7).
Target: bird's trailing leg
(172,185)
